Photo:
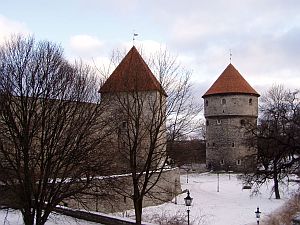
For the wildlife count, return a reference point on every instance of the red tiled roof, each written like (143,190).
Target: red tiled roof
(230,81)
(132,74)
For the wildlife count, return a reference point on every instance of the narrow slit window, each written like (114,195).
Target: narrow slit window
(124,124)
(250,101)
(223,101)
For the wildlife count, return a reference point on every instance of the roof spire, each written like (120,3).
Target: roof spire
(133,37)
(230,55)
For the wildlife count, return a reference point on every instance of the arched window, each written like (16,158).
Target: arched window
(222,162)
(223,101)
(232,144)
(219,121)
(238,162)
(250,101)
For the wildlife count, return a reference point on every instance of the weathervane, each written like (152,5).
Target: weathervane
(230,55)
(133,37)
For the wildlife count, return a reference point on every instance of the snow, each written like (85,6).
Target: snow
(230,206)
(14,217)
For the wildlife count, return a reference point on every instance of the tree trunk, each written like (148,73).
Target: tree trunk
(138,208)
(276,185)
(28,218)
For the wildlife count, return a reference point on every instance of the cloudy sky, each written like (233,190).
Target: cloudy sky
(264,35)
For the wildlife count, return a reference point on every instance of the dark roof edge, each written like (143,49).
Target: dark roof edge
(231,93)
(162,92)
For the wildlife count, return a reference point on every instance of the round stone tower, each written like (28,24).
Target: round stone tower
(229,105)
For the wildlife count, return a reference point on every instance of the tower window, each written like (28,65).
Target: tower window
(206,102)
(207,144)
(250,101)
(213,143)
(238,162)
(207,123)
(222,162)
(219,121)
(124,124)
(243,122)
(232,144)
(223,101)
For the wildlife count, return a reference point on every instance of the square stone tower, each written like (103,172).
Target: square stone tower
(136,110)
(229,104)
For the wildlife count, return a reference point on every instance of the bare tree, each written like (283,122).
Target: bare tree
(182,111)
(144,117)
(51,127)
(277,137)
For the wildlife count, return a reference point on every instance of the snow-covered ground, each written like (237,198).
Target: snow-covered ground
(15,218)
(230,206)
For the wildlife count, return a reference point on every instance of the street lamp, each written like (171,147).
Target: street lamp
(188,202)
(257,214)
(218,187)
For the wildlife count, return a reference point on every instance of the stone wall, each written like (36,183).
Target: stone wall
(230,105)
(96,217)
(138,122)
(115,192)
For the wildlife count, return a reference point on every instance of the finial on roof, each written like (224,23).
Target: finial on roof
(133,37)
(230,55)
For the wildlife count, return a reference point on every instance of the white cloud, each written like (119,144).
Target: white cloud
(263,36)
(9,27)
(86,45)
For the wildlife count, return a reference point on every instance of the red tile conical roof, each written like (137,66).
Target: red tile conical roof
(230,82)
(132,74)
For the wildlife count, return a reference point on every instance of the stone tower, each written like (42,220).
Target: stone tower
(135,103)
(229,104)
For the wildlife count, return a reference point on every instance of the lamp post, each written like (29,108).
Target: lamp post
(187,175)
(257,214)
(188,202)
(218,187)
